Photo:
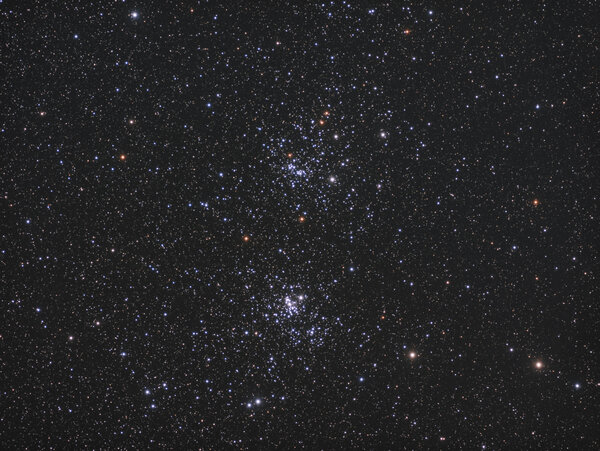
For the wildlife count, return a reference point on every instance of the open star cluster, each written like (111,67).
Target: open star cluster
(308,225)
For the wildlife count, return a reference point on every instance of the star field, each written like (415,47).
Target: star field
(311,225)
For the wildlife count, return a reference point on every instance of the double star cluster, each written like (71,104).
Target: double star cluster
(318,225)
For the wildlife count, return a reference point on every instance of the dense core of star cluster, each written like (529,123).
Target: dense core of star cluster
(319,225)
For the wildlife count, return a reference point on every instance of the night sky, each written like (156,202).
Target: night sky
(327,225)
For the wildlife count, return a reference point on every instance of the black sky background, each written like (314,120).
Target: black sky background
(329,225)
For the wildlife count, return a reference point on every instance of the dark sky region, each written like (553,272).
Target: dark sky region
(309,225)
